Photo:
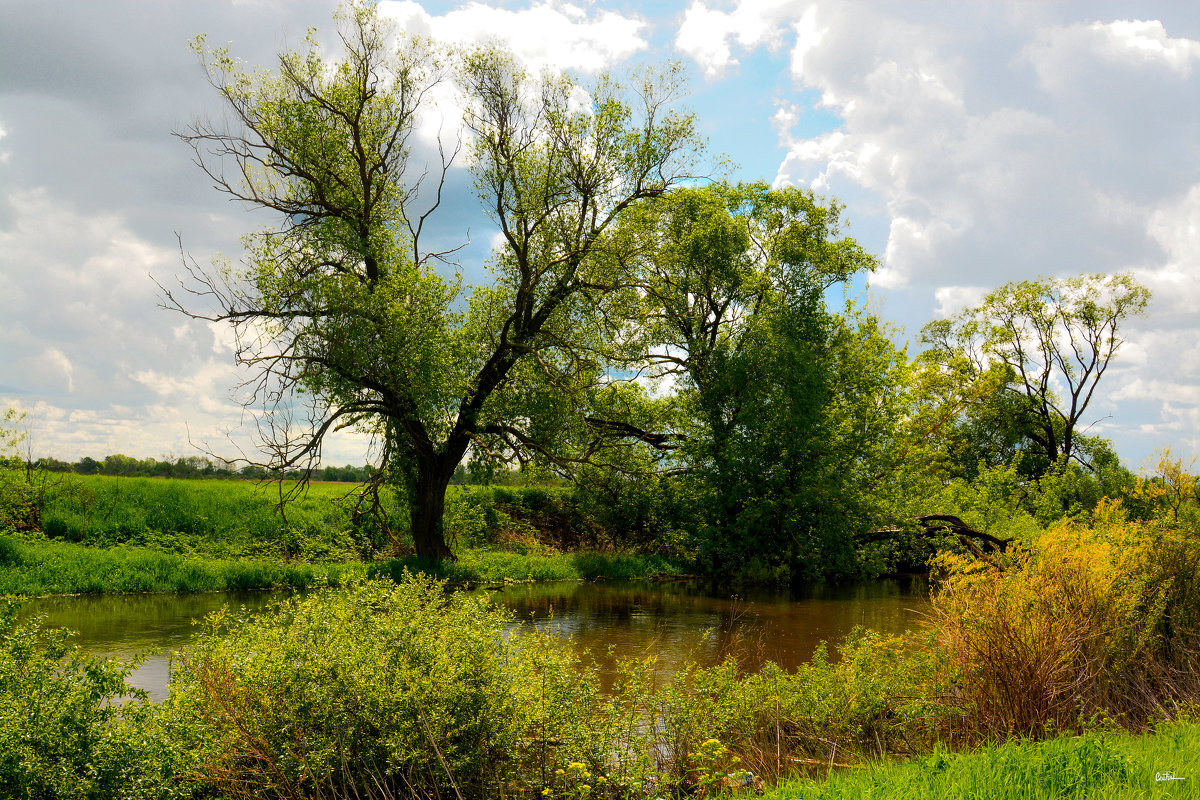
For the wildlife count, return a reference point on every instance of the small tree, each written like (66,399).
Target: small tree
(20,496)
(1044,345)
(343,305)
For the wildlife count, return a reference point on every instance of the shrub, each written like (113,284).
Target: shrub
(62,735)
(377,688)
(1088,623)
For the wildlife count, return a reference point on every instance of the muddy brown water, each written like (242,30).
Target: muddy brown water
(676,622)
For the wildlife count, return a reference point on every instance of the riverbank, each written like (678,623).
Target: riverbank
(1163,763)
(104,534)
(423,692)
(37,568)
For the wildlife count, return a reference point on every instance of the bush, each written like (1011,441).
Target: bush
(62,734)
(379,688)
(1087,624)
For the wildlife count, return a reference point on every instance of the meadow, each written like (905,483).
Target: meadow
(115,534)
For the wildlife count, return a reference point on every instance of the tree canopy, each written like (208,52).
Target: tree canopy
(1042,346)
(342,304)
(781,405)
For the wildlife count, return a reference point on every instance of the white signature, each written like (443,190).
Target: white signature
(1167,776)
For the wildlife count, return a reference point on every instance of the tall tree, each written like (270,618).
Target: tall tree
(1043,345)
(782,400)
(342,304)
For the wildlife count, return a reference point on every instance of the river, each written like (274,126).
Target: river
(675,621)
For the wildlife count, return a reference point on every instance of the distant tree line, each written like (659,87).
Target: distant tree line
(194,467)
(169,466)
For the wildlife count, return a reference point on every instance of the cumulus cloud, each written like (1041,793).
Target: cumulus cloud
(973,144)
(999,143)
(82,334)
(1032,152)
(953,299)
(705,34)
(546,35)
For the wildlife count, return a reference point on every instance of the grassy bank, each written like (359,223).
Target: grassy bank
(493,566)
(220,519)
(1112,766)
(41,568)
(242,519)
(107,534)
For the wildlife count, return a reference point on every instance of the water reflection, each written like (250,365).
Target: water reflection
(704,623)
(149,625)
(676,622)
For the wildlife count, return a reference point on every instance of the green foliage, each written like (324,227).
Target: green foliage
(378,688)
(782,407)
(1092,621)
(342,302)
(61,733)
(1170,493)
(21,493)
(381,688)
(1027,361)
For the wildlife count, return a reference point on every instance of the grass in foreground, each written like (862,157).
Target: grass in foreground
(1163,764)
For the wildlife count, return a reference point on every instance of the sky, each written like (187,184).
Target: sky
(972,144)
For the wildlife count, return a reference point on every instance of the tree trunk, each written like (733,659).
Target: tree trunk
(429,501)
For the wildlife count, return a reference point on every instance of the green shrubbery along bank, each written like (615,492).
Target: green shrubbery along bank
(403,689)
(111,534)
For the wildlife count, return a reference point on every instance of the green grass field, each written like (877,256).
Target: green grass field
(108,534)
(1112,766)
(211,518)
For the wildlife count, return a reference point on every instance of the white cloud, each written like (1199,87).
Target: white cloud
(57,360)
(704,37)
(808,37)
(1175,225)
(546,35)
(549,35)
(705,34)
(1000,143)
(1171,394)
(83,341)
(953,299)
(980,162)
(1065,54)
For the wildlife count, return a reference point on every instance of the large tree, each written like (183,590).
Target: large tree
(782,402)
(342,305)
(1039,349)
